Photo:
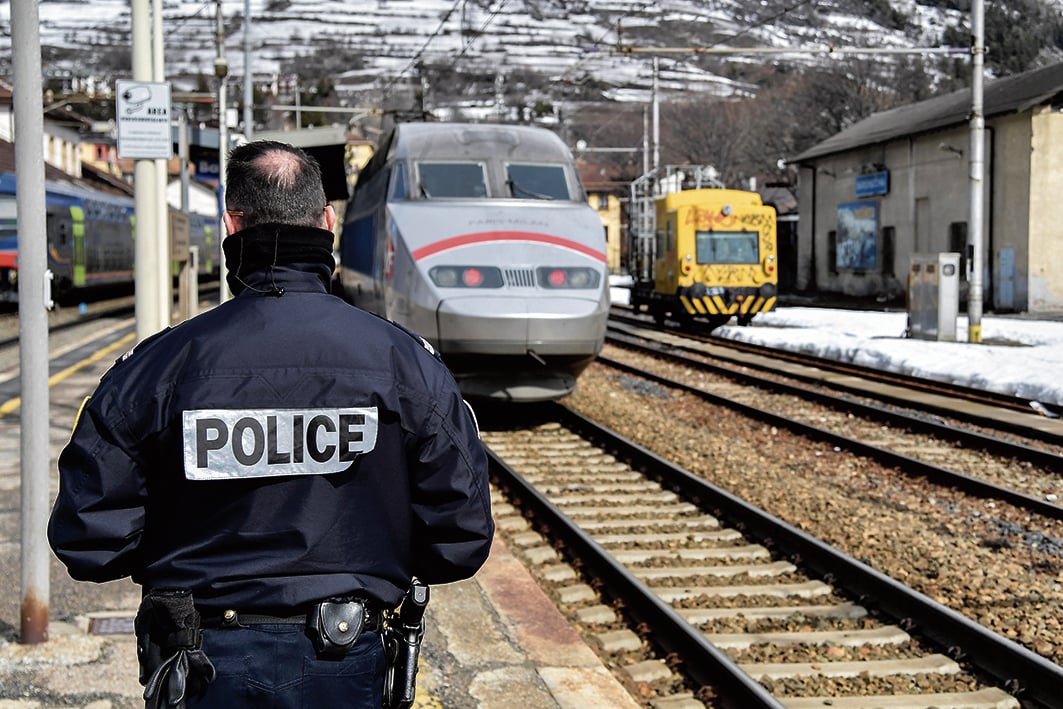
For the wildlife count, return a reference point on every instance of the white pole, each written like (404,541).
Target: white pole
(34,297)
(645,141)
(975,228)
(146,300)
(656,119)
(249,97)
(161,233)
(221,71)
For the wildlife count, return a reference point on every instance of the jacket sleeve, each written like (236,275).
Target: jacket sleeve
(452,525)
(98,516)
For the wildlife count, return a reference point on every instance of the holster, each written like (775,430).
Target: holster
(402,646)
(169,649)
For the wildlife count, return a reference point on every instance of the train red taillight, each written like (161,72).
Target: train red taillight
(570,277)
(472,277)
(466,276)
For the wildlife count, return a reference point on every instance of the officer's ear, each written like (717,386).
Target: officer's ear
(233,221)
(330,217)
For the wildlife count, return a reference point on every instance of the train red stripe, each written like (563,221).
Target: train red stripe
(491,236)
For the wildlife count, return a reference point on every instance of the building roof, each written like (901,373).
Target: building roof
(91,177)
(1013,94)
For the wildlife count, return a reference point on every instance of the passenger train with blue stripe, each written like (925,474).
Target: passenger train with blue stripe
(90,237)
(479,238)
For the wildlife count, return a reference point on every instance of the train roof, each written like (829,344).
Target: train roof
(476,140)
(711,194)
(68,191)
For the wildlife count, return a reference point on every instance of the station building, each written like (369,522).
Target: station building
(897,184)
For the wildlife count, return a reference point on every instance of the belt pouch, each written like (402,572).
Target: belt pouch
(334,626)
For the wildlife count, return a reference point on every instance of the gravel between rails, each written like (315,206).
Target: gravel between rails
(996,564)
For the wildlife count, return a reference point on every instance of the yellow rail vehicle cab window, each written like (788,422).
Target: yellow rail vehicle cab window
(727,247)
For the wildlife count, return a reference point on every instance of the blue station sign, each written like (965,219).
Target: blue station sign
(873,184)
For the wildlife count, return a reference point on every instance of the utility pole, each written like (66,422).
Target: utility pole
(34,299)
(975,228)
(145,196)
(656,117)
(249,96)
(160,234)
(221,71)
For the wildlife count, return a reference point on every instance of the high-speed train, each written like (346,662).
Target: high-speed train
(479,238)
(90,239)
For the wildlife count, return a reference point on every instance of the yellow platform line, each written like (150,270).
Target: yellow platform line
(12,404)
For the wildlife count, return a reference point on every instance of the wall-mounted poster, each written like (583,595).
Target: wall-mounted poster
(857,243)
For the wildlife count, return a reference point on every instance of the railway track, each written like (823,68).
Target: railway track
(937,396)
(740,608)
(1024,473)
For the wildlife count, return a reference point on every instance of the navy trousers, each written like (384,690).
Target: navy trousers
(275,667)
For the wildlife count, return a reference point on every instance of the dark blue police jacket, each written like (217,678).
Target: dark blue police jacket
(273,452)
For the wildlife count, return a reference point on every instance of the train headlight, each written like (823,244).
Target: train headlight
(575,277)
(466,276)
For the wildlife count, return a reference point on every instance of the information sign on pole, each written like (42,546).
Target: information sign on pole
(142,109)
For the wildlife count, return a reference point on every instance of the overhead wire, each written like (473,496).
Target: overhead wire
(595,43)
(420,52)
(479,32)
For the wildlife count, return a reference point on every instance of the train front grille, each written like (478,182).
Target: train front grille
(519,277)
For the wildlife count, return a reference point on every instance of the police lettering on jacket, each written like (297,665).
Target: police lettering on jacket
(226,444)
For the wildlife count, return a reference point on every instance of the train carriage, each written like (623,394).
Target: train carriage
(714,257)
(480,239)
(90,239)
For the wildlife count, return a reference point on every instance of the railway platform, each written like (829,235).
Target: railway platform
(495,641)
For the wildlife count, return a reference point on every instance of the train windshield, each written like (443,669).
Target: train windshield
(527,181)
(452,179)
(727,246)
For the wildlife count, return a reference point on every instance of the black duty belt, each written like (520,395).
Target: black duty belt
(373,618)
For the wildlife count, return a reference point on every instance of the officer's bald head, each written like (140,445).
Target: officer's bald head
(269,182)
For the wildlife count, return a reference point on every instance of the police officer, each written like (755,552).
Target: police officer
(274,471)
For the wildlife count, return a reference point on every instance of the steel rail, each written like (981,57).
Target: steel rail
(922,383)
(907,464)
(702,662)
(1021,671)
(973,439)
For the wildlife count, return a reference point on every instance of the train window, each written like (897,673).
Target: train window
(8,210)
(527,181)
(727,246)
(451,179)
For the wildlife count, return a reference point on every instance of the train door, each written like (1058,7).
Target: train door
(664,267)
(65,227)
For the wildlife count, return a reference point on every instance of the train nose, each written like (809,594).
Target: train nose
(514,326)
